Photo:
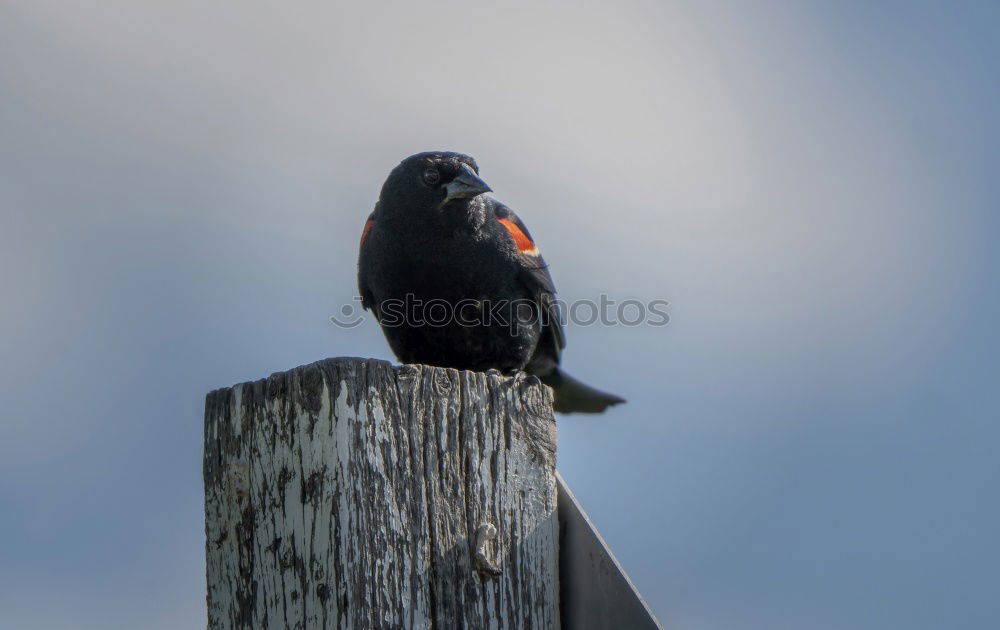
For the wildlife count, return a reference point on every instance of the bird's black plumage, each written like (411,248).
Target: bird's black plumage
(455,279)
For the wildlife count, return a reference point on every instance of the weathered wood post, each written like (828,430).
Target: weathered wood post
(353,494)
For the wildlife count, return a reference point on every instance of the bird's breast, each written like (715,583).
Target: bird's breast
(459,266)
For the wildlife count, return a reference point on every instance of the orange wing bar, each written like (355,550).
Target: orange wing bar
(524,244)
(368,228)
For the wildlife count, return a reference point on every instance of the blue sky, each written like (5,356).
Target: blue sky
(811,443)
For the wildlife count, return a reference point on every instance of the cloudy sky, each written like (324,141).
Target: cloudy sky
(812,441)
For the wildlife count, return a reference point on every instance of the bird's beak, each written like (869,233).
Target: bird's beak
(465,185)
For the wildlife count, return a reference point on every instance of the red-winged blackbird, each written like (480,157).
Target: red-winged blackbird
(455,279)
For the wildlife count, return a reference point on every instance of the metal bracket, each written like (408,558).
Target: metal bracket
(595,592)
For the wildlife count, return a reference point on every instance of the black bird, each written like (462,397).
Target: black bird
(455,279)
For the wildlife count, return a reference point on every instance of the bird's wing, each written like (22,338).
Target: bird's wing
(367,300)
(536,278)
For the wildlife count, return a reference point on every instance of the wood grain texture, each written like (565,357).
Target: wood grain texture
(348,494)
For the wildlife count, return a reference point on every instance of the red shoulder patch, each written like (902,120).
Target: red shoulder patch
(368,228)
(524,244)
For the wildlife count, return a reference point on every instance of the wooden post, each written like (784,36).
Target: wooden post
(353,494)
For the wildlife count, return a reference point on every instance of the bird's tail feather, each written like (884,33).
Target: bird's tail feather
(573,396)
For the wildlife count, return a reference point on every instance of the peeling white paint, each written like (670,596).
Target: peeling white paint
(376,504)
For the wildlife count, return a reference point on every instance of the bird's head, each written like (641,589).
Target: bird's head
(433,181)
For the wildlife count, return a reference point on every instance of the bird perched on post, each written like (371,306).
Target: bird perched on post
(455,279)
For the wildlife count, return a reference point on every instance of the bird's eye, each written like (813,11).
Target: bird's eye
(432,176)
